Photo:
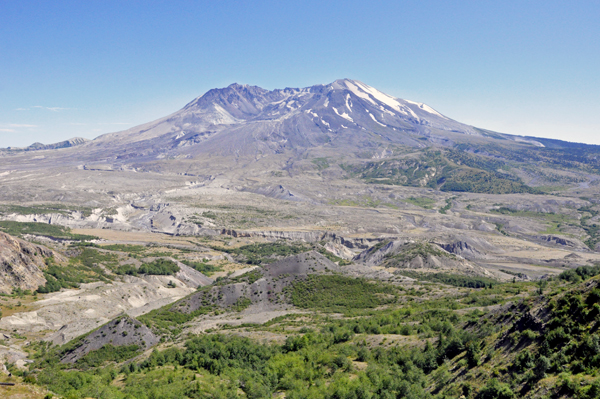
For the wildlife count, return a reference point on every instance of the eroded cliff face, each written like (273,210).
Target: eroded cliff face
(21,264)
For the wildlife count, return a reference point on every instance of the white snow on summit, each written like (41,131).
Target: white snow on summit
(369,93)
(426,108)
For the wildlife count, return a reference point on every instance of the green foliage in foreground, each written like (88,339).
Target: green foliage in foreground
(158,267)
(339,293)
(313,365)
(443,354)
(18,229)
(568,345)
(451,279)
(579,274)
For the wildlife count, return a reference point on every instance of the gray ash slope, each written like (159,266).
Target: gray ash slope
(122,331)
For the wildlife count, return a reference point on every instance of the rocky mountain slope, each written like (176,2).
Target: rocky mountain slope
(21,264)
(248,121)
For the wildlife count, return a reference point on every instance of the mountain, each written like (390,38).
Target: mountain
(75,141)
(345,116)
(244,120)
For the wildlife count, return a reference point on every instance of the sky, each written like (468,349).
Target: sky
(84,68)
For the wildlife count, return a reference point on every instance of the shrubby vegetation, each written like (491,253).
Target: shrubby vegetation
(448,170)
(18,229)
(311,365)
(423,202)
(159,267)
(593,229)
(265,253)
(45,209)
(132,250)
(203,267)
(387,341)
(82,269)
(339,293)
(580,273)
(456,280)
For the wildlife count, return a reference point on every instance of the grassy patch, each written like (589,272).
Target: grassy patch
(320,163)
(19,229)
(132,250)
(593,230)
(90,257)
(108,353)
(248,277)
(479,181)
(446,208)
(204,268)
(423,202)
(256,254)
(366,202)
(448,170)
(451,279)
(45,209)
(339,294)
(169,321)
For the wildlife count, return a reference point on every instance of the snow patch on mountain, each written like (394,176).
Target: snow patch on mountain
(343,115)
(426,108)
(376,121)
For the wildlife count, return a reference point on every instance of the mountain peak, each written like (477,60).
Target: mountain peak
(245,119)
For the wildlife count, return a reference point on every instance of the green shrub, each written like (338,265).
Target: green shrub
(496,390)
(204,268)
(339,293)
(580,273)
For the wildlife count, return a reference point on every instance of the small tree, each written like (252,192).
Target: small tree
(542,364)
(496,390)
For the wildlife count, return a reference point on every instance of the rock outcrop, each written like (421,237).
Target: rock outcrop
(21,264)
(421,256)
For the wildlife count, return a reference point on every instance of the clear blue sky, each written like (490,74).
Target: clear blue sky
(83,68)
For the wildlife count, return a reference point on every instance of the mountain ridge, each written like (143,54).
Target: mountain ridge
(320,113)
